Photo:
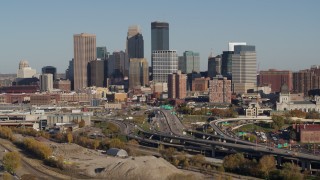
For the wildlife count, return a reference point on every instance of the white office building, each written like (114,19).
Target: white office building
(164,62)
(244,68)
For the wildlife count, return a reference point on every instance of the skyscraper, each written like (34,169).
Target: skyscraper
(214,66)
(232,44)
(102,53)
(50,70)
(164,63)
(84,52)
(226,64)
(96,75)
(135,47)
(119,62)
(46,82)
(159,36)
(70,73)
(138,73)
(189,62)
(244,68)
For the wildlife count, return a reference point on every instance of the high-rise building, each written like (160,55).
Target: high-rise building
(276,78)
(50,70)
(244,68)
(70,73)
(118,62)
(135,47)
(159,36)
(25,70)
(232,44)
(138,73)
(220,90)
(214,66)
(164,63)
(306,80)
(226,64)
(189,62)
(84,52)
(46,82)
(102,53)
(96,75)
(177,85)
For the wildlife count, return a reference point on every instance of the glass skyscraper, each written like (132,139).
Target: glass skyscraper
(159,36)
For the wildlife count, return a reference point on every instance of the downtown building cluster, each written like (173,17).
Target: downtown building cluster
(127,75)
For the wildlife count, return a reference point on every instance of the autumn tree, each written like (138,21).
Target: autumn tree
(6,176)
(69,137)
(82,123)
(266,164)
(291,171)
(197,160)
(233,161)
(278,122)
(11,161)
(116,143)
(96,144)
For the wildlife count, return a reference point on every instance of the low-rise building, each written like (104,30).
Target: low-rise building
(67,118)
(308,133)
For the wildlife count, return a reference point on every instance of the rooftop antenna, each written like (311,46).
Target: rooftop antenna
(211,53)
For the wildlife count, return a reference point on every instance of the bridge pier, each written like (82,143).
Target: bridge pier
(303,165)
(213,151)
(279,160)
(308,164)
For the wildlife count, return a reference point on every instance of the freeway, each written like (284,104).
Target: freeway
(252,148)
(174,123)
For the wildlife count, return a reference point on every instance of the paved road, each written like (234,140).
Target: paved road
(175,125)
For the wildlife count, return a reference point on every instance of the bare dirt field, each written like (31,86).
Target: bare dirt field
(100,166)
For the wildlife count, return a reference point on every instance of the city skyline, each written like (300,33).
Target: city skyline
(41,32)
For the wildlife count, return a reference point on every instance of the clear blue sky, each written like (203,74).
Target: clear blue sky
(286,33)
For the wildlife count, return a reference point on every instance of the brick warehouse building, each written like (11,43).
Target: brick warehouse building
(308,133)
(276,78)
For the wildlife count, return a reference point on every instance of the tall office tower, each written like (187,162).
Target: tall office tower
(138,73)
(96,75)
(70,73)
(177,85)
(118,62)
(159,36)
(232,44)
(220,90)
(164,62)
(84,52)
(102,53)
(189,62)
(135,48)
(25,70)
(50,70)
(276,78)
(46,82)
(226,64)
(244,68)
(214,66)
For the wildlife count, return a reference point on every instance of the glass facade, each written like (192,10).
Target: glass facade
(159,36)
